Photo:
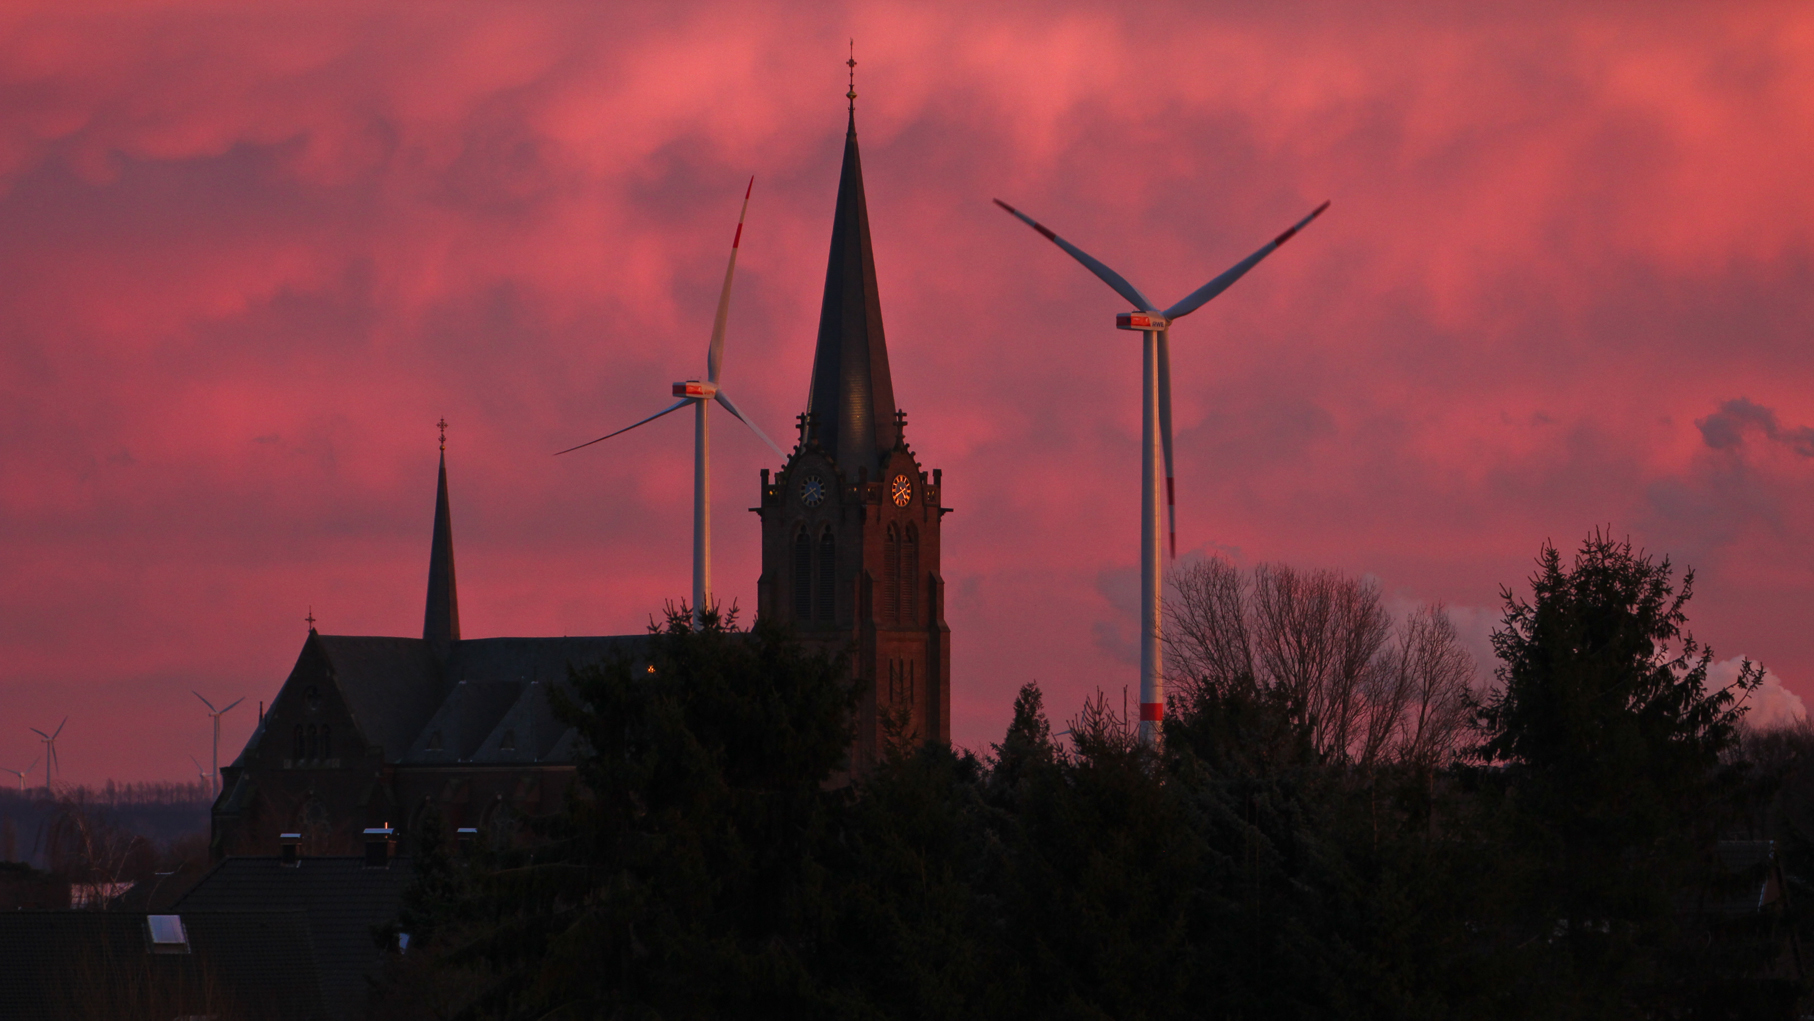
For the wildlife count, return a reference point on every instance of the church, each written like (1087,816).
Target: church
(370,732)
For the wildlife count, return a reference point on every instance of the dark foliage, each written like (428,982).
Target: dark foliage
(717,862)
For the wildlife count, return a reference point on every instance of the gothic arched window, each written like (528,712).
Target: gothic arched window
(314,741)
(891,575)
(828,573)
(803,573)
(910,575)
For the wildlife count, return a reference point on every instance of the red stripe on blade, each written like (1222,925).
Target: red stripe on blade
(1152,711)
(1282,238)
(739,236)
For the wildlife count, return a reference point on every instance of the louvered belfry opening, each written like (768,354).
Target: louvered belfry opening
(803,575)
(910,576)
(891,575)
(828,574)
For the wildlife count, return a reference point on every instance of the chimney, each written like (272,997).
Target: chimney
(289,849)
(379,843)
(468,838)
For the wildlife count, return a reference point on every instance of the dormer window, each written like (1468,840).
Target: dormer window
(508,744)
(312,698)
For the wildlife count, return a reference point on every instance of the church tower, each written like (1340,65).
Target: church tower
(850,525)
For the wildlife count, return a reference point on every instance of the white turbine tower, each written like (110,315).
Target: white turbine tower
(700,394)
(22,773)
(214,786)
(1156,425)
(50,752)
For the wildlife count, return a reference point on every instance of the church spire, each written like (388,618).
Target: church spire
(852,395)
(441,624)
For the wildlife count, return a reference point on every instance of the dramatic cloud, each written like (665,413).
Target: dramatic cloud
(1726,428)
(1771,705)
(253,253)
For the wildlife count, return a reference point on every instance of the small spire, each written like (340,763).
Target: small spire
(442,425)
(311,619)
(852,64)
(441,622)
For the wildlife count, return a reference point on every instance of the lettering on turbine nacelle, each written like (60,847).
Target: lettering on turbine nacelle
(694,388)
(1141,321)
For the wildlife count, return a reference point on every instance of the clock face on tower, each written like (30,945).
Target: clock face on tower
(901,490)
(812,491)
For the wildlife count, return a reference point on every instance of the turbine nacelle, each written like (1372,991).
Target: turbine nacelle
(1141,321)
(696,389)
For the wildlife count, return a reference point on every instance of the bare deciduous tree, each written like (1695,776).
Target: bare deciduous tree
(1366,689)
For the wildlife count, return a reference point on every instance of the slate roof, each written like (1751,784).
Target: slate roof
(852,393)
(498,697)
(242,964)
(340,898)
(392,685)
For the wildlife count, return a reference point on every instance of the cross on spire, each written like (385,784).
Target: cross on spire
(442,425)
(311,618)
(852,64)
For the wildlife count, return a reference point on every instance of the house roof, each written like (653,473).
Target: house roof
(341,899)
(246,964)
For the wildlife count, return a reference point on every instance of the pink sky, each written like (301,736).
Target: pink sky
(251,255)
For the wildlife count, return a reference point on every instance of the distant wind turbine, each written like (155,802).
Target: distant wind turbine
(216,714)
(1156,432)
(206,776)
(51,767)
(21,773)
(700,394)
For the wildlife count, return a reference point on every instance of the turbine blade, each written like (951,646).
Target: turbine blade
(205,702)
(1165,435)
(235,702)
(34,764)
(1105,274)
(732,408)
(714,358)
(38,732)
(60,726)
(1197,298)
(683,402)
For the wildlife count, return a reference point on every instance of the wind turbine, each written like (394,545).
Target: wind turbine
(700,394)
(50,752)
(21,773)
(1156,419)
(216,714)
(203,773)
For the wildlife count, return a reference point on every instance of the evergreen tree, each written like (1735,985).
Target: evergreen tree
(1607,745)
(680,881)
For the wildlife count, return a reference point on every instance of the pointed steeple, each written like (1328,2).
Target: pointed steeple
(441,624)
(852,396)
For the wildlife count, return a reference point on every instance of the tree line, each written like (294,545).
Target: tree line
(1338,823)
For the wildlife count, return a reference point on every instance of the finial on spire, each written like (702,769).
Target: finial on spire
(442,425)
(311,618)
(852,63)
